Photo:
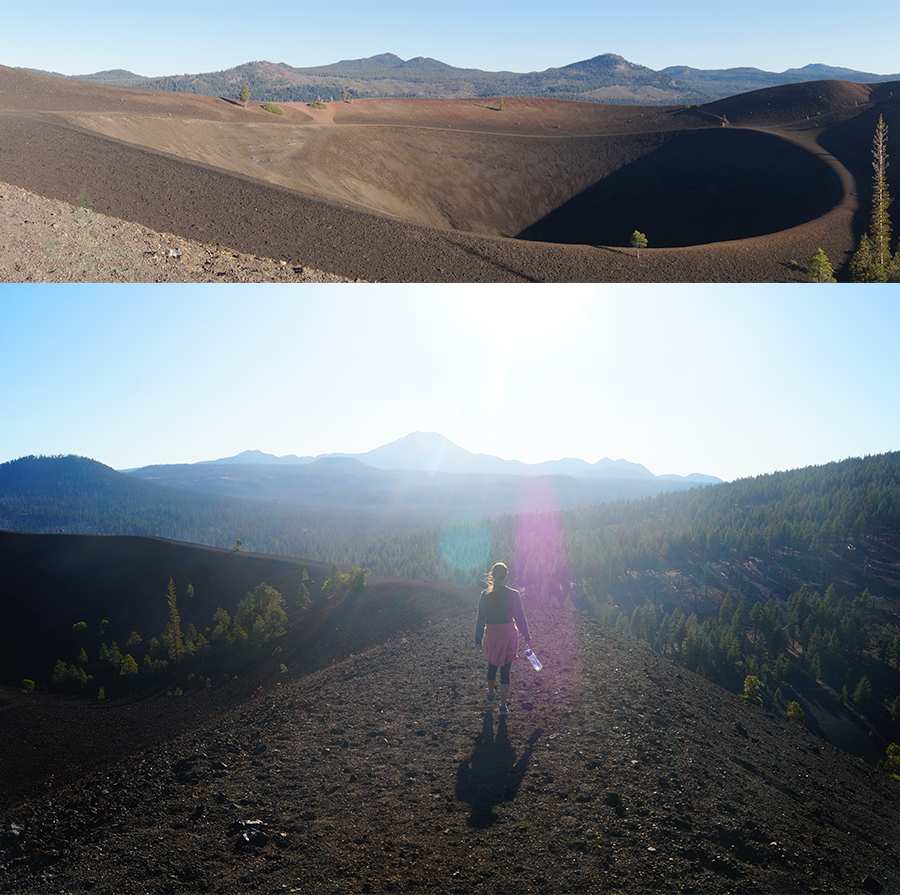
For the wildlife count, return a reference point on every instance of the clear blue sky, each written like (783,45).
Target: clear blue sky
(190,36)
(732,382)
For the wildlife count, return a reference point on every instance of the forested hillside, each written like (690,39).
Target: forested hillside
(790,579)
(605,78)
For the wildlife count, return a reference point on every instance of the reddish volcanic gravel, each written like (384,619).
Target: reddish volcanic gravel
(434,191)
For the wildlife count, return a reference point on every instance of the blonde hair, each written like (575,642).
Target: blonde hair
(497,575)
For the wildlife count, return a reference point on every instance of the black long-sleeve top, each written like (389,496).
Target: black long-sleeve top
(505,610)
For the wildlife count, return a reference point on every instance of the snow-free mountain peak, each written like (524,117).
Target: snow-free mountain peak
(433,452)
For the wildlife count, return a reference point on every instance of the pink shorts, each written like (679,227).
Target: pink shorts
(500,643)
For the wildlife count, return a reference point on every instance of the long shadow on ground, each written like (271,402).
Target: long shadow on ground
(493,773)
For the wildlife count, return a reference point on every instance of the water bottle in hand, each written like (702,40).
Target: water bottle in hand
(533,659)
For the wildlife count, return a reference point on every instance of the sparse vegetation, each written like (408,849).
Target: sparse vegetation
(271,107)
(84,199)
(318,104)
(339,585)
(638,242)
(891,762)
(186,654)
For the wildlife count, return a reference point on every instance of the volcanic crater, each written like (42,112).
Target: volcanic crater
(466,189)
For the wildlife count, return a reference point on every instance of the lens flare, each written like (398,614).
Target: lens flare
(540,547)
(465,544)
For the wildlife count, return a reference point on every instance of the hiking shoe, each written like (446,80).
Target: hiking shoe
(504,710)
(489,697)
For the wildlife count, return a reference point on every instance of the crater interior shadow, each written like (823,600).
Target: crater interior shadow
(698,187)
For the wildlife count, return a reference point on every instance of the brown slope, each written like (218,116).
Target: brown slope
(431,190)
(73,578)
(54,581)
(615,771)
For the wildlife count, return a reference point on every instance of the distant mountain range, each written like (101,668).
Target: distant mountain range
(431,452)
(607,78)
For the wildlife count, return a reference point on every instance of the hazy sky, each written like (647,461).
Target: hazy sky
(190,36)
(732,381)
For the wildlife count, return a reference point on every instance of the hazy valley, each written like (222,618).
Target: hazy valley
(303,701)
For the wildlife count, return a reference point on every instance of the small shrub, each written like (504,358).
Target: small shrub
(795,713)
(892,761)
(85,201)
(271,107)
(27,685)
(318,104)
(751,690)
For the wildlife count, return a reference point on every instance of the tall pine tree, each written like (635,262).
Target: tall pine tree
(873,262)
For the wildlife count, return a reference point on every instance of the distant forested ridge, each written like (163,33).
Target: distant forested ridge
(818,517)
(790,579)
(606,78)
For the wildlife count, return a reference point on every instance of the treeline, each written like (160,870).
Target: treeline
(800,526)
(185,655)
(820,635)
(394,77)
(227,643)
(76,495)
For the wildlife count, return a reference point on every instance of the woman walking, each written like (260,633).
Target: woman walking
(500,620)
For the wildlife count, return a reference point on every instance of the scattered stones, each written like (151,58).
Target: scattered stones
(249,833)
(394,813)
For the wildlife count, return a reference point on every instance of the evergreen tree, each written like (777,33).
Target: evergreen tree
(638,242)
(873,262)
(303,600)
(173,628)
(244,95)
(261,614)
(129,667)
(895,710)
(880,227)
(752,689)
(862,695)
(223,624)
(819,269)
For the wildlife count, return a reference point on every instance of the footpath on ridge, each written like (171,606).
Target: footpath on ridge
(616,770)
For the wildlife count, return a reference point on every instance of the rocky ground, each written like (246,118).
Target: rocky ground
(48,241)
(616,771)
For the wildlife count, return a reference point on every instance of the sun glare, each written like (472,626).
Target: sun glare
(518,319)
(511,322)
